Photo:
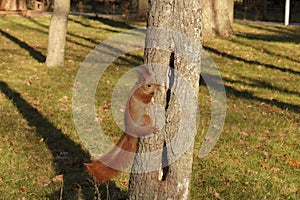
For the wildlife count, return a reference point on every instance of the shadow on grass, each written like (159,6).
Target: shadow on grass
(68,156)
(88,25)
(261,84)
(276,34)
(33,52)
(113,23)
(69,39)
(265,50)
(250,96)
(251,62)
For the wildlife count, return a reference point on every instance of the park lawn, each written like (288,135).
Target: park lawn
(256,157)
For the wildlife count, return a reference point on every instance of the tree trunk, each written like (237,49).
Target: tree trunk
(13,5)
(264,5)
(173,41)
(230,4)
(57,33)
(142,8)
(216,18)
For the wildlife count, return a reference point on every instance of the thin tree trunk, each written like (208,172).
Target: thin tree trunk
(264,5)
(142,8)
(167,173)
(217,18)
(230,4)
(13,5)
(57,33)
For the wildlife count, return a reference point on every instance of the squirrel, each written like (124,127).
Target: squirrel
(137,123)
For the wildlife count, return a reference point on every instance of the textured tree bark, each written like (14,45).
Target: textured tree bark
(13,5)
(167,174)
(216,18)
(57,33)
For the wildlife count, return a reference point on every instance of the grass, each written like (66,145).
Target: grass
(256,157)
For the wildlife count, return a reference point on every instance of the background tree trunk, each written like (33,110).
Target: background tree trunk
(183,17)
(13,5)
(216,18)
(264,8)
(57,33)
(230,4)
(142,8)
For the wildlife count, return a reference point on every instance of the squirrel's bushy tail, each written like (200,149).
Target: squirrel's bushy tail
(119,157)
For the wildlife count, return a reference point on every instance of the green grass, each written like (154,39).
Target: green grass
(256,157)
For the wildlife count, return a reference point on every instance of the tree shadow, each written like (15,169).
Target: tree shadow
(37,55)
(68,39)
(261,84)
(35,21)
(265,50)
(112,23)
(251,62)
(68,156)
(279,34)
(88,25)
(250,96)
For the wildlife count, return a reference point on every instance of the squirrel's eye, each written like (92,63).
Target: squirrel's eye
(149,85)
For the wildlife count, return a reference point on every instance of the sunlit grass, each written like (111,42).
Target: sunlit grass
(256,157)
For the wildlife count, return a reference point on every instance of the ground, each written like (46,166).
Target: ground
(256,157)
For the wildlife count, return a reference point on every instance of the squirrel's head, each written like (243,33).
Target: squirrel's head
(150,88)
(146,84)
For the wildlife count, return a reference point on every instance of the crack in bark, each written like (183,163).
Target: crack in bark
(168,98)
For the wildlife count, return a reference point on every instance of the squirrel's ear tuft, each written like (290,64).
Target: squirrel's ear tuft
(144,75)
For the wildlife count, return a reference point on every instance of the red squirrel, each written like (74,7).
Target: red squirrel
(137,123)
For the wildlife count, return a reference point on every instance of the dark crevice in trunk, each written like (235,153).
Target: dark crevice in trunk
(171,77)
(165,162)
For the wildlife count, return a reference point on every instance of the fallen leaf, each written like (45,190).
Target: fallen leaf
(58,179)
(64,99)
(265,166)
(217,195)
(22,189)
(28,82)
(4,138)
(106,107)
(293,163)
(124,183)
(275,169)
(44,182)
(244,133)
(259,67)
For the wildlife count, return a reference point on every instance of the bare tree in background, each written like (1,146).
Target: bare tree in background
(57,33)
(13,5)
(217,18)
(142,8)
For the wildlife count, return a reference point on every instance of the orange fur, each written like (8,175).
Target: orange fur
(103,173)
(137,123)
